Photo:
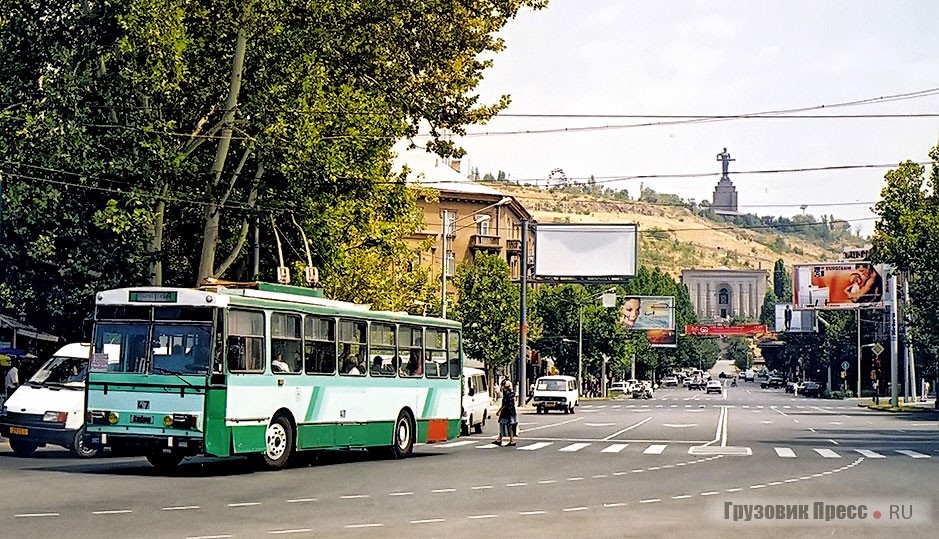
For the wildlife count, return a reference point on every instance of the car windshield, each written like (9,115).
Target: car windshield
(156,348)
(551,385)
(67,371)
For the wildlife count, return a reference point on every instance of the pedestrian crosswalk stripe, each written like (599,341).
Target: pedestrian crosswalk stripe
(827,453)
(574,447)
(458,443)
(913,454)
(615,448)
(870,454)
(535,446)
(785,452)
(655,449)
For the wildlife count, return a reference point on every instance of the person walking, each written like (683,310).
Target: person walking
(508,416)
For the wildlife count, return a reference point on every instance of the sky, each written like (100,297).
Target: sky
(709,58)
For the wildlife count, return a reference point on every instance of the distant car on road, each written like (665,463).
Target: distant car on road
(715,386)
(619,387)
(773,383)
(670,381)
(557,392)
(695,383)
(811,389)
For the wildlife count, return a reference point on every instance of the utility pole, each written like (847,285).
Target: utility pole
(894,370)
(523,316)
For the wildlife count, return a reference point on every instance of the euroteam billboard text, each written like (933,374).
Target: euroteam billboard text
(655,315)
(838,285)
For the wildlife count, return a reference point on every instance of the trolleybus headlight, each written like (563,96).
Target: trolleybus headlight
(167,421)
(113,418)
(55,417)
(184,421)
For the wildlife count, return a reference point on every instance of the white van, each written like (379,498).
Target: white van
(475,400)
(49,408)
(558,392)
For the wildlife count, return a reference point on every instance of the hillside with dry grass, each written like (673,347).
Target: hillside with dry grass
(673,238)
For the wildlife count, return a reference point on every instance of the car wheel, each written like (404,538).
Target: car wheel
(78,449)
(278,443)
(23,448)
(403,442)
(165,462)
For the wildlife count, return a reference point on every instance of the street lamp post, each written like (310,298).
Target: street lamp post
(609,300)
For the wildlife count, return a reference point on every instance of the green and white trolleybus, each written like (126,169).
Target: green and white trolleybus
(266,370)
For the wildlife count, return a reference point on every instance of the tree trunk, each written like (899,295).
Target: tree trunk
(156,241)
(213,208)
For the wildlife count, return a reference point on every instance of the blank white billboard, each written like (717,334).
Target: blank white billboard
(585,251)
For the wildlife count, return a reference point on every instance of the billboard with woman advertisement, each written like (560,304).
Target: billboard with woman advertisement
(655,315)
(838,285)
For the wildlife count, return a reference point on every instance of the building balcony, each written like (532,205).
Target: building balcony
(480,242)
(513,246)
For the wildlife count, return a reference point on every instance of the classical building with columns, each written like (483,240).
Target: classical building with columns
(723,294)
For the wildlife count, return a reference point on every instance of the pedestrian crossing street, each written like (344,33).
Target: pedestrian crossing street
(683,449)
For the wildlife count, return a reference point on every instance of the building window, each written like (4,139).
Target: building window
(482,227)
(450,263)
(449,222)
(723,297)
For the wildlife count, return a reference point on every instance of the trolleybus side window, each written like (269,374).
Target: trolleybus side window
(285,343)
(411,346)
(245,341)
(435,360)
(456,366)
(382,351)
(352,347)
(319,337)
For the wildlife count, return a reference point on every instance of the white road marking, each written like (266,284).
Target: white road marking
(575,478)
(834,442)
(535,446)
(482,487)
(458,443)
(651,500)
(774,483)
(353,497)
(225,536)
(913,454)
(573,447)
(375,525)
(655,449)
(285,532)
(252,504)
(766,421)
(428,521)
(113,512)
(757,486)
(733,490)
(297,500)
(187,507)
(516,484)
(554,424)
(785,452)
(614,504)
(682,497)
(827,453)
(401,494)
(709,493)
(599,424)
(547,482)
(614,448)
(631,427)
(36,515)
(527,513)
(443,490)
(482,516)
(571,509)
(679,425)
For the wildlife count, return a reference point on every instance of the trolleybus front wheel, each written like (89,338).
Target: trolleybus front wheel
(278,445)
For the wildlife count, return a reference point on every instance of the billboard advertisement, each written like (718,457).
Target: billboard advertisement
(655,315)
(789,319)
(735,330)
(585,251)
(838,285)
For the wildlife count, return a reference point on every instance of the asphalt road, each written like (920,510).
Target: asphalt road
(678,465)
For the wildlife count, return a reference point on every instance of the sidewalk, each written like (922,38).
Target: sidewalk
(927,406)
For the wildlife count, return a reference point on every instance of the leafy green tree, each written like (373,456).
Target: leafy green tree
(782,282)
(768,310)
(196,120)
(488,307)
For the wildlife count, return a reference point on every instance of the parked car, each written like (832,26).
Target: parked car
(774,382)
(475,400)
(670,381)
(619,388)
(811,389)
(557,392)
(715,386)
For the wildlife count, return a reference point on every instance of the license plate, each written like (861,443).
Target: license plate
(20,431)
